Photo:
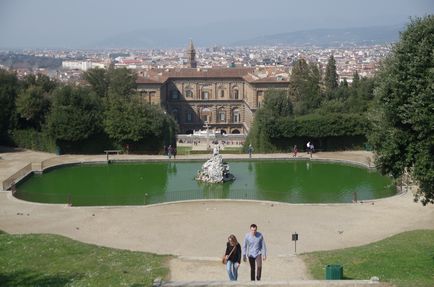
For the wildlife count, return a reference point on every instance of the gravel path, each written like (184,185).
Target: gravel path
(196,231)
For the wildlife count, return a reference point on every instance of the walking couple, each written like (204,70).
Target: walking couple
(253,248)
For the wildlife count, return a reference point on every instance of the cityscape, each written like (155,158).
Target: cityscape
(68,65)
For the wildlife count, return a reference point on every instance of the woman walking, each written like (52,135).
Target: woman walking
(233,257)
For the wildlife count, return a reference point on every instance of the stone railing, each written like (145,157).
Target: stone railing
(10,181)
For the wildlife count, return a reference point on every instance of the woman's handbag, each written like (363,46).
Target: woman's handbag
(224,260)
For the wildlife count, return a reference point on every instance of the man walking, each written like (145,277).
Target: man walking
(254,248)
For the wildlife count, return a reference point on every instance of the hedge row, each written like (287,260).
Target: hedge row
(321,126)
(34,140)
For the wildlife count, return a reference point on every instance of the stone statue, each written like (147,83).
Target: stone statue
(214,170)
(216,150)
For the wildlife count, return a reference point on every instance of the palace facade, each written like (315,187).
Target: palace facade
(224,98)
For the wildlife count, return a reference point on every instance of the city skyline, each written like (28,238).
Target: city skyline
(90,24)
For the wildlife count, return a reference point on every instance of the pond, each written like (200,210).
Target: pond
(292,181)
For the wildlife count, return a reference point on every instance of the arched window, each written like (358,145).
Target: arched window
(205,115)
(235,93)
(236,115)
(235,131)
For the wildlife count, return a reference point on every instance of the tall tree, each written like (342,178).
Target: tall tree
(8,93)
(304,89)
(404,119)
(76,114)
(122,82)
(278,103)
(39,80)
(99,81)
(32,106)
(131,121)
(298,82)
(331,76)
(356,80)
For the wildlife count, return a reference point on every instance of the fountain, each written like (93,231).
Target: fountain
(215,170)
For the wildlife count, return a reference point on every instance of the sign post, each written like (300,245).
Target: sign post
(295,238)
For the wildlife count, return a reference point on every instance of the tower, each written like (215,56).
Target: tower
(191,55)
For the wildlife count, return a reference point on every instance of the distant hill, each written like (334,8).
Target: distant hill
(329,37)
(212,35)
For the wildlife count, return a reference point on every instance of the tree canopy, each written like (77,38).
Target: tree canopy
(403,117)
(331,76)
(304,87)
(8,93)
(32,105)
(131,121)
(75,115)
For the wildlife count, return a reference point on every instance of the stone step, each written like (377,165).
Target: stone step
(292,283)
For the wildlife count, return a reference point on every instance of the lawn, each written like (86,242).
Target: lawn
(183,150)
(51,260)
(406,259)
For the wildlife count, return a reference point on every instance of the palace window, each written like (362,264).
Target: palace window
(259,96)
(205,95)
(235,115)
(189,93)
(189,117)
(222,115)
(235,94)
(222,93)
(205,115)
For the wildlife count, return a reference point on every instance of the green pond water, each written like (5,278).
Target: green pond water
(148,183)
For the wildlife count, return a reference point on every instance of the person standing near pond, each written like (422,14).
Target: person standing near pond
(250,150)
(233,257)
(294,151)
(254,248)
(169,151)
(312,149)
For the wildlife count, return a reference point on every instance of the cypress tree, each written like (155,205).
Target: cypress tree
(331,76)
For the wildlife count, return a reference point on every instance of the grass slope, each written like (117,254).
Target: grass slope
(406,259)
(51,260)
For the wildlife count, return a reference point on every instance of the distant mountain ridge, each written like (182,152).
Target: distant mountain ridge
(209,36)
(329,37)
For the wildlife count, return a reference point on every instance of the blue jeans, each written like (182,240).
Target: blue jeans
(232,268)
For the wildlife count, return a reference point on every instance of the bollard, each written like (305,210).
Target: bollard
(355,197)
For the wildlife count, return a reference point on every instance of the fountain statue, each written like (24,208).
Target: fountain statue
(215,170)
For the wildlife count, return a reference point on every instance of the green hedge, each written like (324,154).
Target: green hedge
(319,126)
(34,140)
(321,144)
(327,132)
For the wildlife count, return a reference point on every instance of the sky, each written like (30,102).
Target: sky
(85,23)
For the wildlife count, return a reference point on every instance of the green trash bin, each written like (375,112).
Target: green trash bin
(334,272)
